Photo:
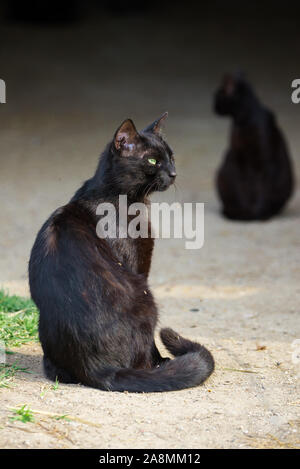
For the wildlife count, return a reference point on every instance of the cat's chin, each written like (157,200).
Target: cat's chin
(163,187)
(160,187)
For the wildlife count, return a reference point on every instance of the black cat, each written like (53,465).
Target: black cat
(97,314)
(255,179)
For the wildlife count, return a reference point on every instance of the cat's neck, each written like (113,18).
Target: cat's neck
(106,185)
(248,112)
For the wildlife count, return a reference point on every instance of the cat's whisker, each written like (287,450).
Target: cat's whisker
(178,190)
(150,186)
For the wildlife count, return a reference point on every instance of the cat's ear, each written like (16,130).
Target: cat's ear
(126,138)
(156,126)
(231,81)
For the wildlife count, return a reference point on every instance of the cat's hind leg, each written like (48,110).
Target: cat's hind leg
(54,373)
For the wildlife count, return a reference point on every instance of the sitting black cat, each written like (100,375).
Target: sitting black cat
(97,314)
(255,179)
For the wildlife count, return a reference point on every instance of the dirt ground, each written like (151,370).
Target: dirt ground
(68,90)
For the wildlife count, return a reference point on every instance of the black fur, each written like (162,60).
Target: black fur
(97,314)
(255,179)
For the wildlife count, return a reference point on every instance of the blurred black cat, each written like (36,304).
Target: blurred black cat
(97,313)
(255,179)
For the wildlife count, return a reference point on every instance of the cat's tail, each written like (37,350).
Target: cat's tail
(192,366)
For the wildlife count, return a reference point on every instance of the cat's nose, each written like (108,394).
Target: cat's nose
(172,174)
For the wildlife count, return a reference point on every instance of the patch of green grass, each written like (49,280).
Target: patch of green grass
(55,385)
(13,303)
(23,414)
(18,320)
(61,417)
(52,387)
(7,372)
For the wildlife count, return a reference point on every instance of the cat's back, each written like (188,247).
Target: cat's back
(64,225)
(69,259)
(61,248)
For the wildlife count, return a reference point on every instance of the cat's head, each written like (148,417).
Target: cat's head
(143,162)
(232,95)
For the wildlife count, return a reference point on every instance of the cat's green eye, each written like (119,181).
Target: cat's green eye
(152,161)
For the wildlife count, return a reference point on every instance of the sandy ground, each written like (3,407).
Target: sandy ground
(68,89)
